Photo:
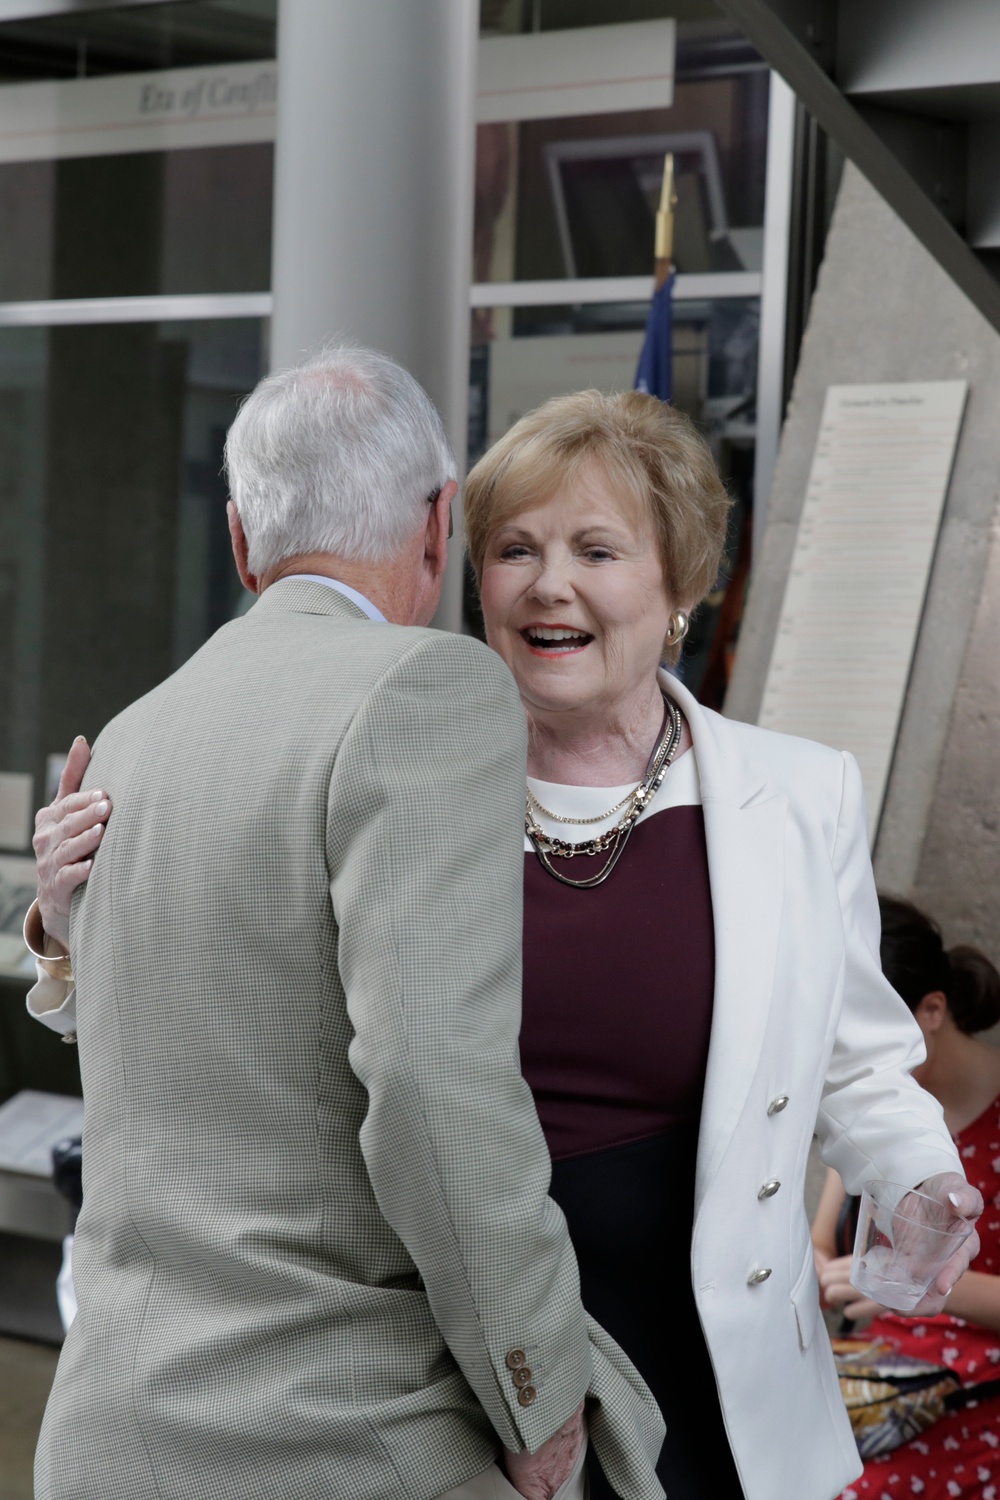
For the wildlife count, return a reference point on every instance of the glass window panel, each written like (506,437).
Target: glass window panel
(137,39)
(578,196)
(114,549)
(139,224)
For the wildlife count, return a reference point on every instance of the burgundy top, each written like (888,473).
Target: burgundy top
(618,985)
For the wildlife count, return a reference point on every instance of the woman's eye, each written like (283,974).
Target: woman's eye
(598,554)
(512,553)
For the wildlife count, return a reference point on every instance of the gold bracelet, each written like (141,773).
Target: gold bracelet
(36,940)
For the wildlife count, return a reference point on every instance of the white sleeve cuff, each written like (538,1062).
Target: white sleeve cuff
(53,1002)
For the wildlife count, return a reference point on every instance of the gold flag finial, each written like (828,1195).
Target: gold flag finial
(664,246)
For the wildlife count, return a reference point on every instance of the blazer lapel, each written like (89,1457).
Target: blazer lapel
(744,834)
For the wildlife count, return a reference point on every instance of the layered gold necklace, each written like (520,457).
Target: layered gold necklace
(546,846)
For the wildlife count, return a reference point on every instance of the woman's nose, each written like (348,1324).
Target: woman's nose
(552,585)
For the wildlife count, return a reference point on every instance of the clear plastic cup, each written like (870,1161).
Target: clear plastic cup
(904,1240)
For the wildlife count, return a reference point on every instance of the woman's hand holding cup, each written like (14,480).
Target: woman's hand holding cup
(967,1202)
(913,1244)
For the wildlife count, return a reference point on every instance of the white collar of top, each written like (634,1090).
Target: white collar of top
(370,609)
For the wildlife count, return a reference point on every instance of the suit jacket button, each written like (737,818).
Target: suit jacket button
(758,1274)
(768,1189)
(522,1376)
(526,1395)
(516,1358)
(777,1105)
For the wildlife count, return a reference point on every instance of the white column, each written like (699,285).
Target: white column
(373,193)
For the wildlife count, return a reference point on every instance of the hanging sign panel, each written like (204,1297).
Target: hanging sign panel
(583,71)
(127,112)
(862,559)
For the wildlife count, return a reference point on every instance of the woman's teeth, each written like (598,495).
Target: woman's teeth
(543,635)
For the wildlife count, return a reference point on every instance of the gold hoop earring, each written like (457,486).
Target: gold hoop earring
(679,623)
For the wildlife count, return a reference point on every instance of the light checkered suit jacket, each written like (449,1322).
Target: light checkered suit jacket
(315,1218)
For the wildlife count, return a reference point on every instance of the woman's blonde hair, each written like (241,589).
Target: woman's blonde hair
(650,449)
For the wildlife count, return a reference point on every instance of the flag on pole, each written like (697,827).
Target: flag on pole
(654,375)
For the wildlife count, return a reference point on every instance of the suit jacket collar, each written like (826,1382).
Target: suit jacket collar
(304,597)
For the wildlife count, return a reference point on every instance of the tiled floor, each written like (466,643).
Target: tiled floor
(26,1372)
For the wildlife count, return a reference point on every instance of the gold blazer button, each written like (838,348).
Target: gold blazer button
(526,1395)
(516,1358)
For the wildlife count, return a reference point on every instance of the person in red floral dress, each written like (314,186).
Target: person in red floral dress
(953,995)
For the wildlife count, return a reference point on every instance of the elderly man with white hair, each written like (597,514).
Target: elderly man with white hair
(316,1257)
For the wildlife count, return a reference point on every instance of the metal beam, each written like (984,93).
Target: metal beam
(898,46)
(64,312)
(586,291)
(774,39)
(33,10)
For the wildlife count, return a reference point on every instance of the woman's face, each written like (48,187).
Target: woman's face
(574,599)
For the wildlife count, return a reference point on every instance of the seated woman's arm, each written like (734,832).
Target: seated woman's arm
(824,1225)
(976,1298)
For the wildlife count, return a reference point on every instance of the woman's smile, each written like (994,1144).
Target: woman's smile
(555,640)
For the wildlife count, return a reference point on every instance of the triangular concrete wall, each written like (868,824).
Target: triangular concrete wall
(885,311)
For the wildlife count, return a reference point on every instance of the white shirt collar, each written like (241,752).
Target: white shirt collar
(371,610)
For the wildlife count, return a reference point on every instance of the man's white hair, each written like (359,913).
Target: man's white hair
(340,455)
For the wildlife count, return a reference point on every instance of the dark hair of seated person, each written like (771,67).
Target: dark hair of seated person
(916,963)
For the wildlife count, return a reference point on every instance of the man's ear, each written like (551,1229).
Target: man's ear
(240,549)
(439,527)
(931,1011)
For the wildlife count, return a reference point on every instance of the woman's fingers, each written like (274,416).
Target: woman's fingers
(69,878)
(77,825)
(75,768)
(862,1308)
(70,851)
(67,835)
(837,1269)
(835,1282)
(952,1190)
(965,1201)
(67,818)
(958,1264)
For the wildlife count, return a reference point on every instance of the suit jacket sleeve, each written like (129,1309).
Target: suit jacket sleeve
(426,858)
(874,1121)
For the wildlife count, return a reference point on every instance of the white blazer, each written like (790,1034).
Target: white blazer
(806,1034)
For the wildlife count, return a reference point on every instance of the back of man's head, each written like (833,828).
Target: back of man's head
(337,455)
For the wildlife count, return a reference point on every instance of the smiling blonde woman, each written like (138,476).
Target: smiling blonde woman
(701,967)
